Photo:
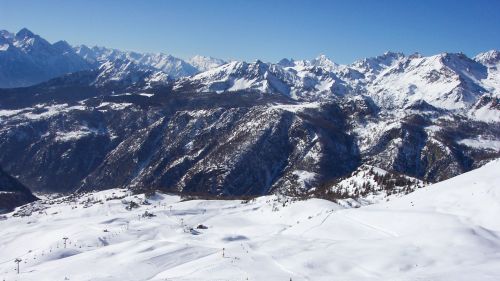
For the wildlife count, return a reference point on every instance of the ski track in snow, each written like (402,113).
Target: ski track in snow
(380,230)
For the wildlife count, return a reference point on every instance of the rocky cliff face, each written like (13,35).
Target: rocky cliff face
(13,193)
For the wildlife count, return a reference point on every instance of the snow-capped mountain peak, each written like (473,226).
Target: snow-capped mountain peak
(203,63)
(491,57)
(28,59)
(447,80)
(27,41)
(392,80)
(324,62)
(376,64)
(240,75)
(170,65)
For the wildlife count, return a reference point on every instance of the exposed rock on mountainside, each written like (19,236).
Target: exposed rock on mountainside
(13,193)
(296,127)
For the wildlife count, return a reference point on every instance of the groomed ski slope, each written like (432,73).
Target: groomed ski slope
(448,231)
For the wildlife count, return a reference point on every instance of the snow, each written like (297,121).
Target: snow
(242,84)
(433,128)
(28,59)
(203,63)
(50,110)
(296,107)
(393,81)
(39,111)
(323,61)
(167,64)
(481,143)
(114,105)
(363,185)
(448,231)
(72,135)
(158,77)
(10,112)
(486,115)
(415,85)
(368,133)
(489,58)
(304,177)
(7,192)
(121,95)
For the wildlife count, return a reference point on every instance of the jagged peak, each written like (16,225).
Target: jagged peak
(260,63)
(489,53)
(375,64)
(25,33)
(204,63)
(456,61)
(392,54)
(201,57)
(62,45)
(489,57)
(415,55)
(28,41)
(6,34)
(284,62)
(323,61)
(449,56)
(322,57)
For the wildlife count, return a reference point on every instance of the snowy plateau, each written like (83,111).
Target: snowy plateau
(446,231)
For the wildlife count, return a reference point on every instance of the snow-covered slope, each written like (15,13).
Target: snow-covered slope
(127,73)
(202,63)
(236,76)
(370,184)
(448,231)
(450,81)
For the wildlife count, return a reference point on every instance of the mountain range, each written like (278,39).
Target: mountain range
(93,118)
(27,59)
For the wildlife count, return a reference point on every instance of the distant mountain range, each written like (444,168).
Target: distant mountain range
(27,59)
(101,118)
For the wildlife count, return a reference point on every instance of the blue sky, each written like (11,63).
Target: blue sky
(269,30)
